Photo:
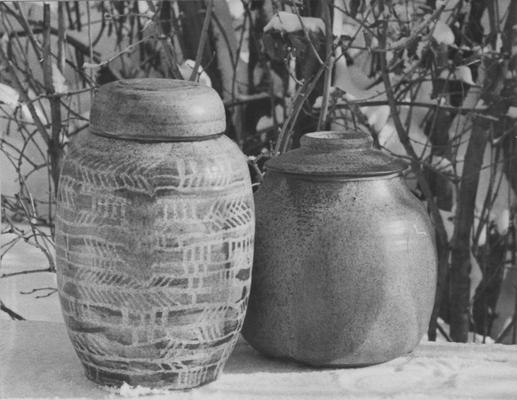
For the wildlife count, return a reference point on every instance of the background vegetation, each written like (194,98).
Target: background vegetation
(434,82)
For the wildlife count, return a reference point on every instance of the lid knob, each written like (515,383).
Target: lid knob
(156,110)
(343,154)
(327,140)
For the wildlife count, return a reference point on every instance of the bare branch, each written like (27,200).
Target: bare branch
(25,272)
(14,315)
(202,40)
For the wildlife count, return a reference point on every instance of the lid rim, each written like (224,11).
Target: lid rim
(154,139)
(339,177)
(369,174)
(350,140)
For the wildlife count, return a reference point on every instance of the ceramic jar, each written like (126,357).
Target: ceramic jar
(345,264)
(154,236)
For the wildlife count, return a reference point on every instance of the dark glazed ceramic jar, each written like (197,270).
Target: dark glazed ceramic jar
(154,236)
(345,264)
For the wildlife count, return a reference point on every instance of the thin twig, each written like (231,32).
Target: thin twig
(26,27)
(246,98)
(14,315)
(202,40)
(307,35)
(25,97)
(25,272)
(54,145)
(404,137)
(252,161)
(442,331)
(406,41)
(327,80)
(113,57)
(441,233)
(172,69)
(300,98)
(506,330)
(51,291)
(61,39)
(90,40)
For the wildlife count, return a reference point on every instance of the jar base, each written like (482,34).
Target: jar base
(167,380)
(322,364)
(326,361)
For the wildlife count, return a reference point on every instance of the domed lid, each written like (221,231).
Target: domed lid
(157,110)
(347,154)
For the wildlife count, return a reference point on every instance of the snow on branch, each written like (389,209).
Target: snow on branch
(290,23)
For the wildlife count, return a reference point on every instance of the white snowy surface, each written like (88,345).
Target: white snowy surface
(23,257)
(37,361)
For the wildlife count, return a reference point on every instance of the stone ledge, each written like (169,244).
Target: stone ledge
(37,361)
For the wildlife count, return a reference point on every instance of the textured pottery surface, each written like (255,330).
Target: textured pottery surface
(154,236)
(345,266)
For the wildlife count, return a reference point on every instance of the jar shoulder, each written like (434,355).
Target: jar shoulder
(376,200)
(218,161)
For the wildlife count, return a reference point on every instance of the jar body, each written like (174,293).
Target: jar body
(154,248)
(344,270)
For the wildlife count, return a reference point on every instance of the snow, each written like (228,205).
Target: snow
(443,34)
(137,391)
(20,258)
(8,95)
(186,69)
(289,23)
(37,361)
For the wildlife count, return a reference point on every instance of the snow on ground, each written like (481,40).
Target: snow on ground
(24,257)
(37,361)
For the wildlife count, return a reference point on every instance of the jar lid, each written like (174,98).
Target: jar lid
(157,110)
(348,154)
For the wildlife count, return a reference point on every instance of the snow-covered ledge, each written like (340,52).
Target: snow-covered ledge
(37,361)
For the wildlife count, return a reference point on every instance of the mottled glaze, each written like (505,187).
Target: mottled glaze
(345,265)
(154,242)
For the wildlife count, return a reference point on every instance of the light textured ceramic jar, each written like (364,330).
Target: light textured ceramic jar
(345,264)
(154,236)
